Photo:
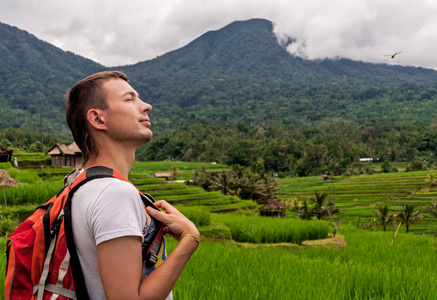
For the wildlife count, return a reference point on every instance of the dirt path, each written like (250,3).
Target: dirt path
(338,241)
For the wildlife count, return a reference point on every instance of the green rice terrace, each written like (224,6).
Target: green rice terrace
(247,256)
(359,196)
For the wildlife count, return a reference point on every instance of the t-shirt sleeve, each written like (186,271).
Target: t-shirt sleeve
(118,211)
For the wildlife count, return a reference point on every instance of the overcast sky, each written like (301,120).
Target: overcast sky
(115,33)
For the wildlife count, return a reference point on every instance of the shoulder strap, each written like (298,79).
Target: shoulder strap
(86,176)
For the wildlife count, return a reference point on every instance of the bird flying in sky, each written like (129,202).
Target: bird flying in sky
(394,54)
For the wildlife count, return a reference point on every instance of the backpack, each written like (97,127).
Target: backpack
(41,258)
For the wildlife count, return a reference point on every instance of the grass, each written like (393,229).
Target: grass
(272,230)
(37,194)
(187,168)
(368,268)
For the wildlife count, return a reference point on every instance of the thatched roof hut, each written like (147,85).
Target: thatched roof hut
(65,156)
(5,154)
(6,181)
(274,209)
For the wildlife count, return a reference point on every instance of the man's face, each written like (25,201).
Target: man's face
(127,117)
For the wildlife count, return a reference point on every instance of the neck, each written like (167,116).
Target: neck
(116,157)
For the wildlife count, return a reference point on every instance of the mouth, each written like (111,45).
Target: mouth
(146,122)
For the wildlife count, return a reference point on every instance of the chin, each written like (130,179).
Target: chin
(148,137)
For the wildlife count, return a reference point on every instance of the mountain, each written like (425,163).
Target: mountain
(238,74)
(34,75)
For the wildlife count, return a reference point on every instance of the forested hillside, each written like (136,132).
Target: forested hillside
(300,151)
(238,74)
(35,75)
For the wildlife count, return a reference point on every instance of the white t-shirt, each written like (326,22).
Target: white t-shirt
(104,209)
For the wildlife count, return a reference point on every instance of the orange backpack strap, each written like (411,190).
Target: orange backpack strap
(151,249)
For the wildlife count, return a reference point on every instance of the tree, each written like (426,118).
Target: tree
(431,179)
(200,178)
(239,181)
(386,167)
(174,172)
(432,209)
(322,209)
(386,219)
(294,204)
(304,212)
(415,165)
(221,182)
(409,216)
(269,188)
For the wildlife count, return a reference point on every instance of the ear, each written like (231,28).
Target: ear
(96,118)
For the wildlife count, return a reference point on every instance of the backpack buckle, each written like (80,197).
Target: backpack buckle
(152,257)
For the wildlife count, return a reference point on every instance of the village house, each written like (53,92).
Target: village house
(65,156)
(5,154)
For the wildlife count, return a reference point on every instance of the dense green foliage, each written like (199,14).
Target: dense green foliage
(28,140)
(246,183)
(298,151)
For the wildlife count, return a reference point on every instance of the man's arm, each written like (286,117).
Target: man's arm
(120,260)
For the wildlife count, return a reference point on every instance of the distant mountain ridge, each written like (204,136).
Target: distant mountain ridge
(239,73)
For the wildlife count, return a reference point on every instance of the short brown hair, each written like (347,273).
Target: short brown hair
(83,96)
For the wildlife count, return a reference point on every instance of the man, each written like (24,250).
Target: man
(109,122)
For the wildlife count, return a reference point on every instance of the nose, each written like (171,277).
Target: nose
(145,107)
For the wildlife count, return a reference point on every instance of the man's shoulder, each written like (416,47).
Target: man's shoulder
(108,187)
(110,183)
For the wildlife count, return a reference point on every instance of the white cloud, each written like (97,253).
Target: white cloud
(117,33)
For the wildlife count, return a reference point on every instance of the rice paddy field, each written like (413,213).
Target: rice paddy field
(369,267)
(245,256)
(359,196)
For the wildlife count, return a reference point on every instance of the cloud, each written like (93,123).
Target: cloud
(115,33)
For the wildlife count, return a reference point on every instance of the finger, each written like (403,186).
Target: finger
(165,206)
(158,215)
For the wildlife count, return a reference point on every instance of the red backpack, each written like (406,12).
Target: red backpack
(41,258)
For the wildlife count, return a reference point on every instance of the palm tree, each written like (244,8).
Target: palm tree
(305,213)
(431,179)
(221,182)
(255,188)
(432,209)
(409,216)
(294,203)
(239,182)
(270,188)
(382,213)
(322,209)
(200,178)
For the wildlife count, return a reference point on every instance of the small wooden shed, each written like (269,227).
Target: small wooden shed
(162,175)
(274,209)
(65,156)
(5,154)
